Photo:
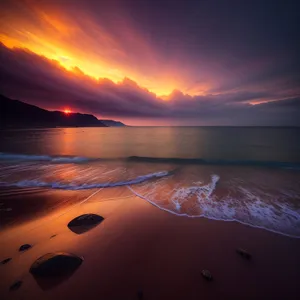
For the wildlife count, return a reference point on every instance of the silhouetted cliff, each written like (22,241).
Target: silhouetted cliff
(14,113)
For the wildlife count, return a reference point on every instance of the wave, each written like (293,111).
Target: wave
(84,186)
(146,159)
(47,158)
(225,218)
(269,205)
(202,161)
(248,209)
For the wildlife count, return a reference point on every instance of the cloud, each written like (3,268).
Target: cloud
(198,47)
(40,81)
(43,82)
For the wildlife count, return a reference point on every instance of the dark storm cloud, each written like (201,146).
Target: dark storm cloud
(43,82)
(251,41)
(40,81)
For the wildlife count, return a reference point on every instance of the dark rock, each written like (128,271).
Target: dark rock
(25,247)
(6,260)
(53,264)
(207,275)
(86,219)
(84,223)
(53,268)
(15,285)
(243,253)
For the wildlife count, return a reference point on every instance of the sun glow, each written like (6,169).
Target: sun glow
(67,111)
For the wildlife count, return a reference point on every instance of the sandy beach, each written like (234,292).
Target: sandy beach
(139,247)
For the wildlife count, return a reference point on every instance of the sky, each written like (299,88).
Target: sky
(182,63)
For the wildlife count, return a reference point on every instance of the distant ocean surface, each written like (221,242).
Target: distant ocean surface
(243,174)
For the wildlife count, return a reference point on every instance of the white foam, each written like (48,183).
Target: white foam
(248,208)
(83,186)
(182,194)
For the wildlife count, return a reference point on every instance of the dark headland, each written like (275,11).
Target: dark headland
(18,114)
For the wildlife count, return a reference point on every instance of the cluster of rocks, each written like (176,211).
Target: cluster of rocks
(57,266)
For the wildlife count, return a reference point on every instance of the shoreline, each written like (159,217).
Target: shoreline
(14,204)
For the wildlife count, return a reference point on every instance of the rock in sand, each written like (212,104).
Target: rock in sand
(54,264)
(52,269)
(207,275)
(16,285)
(24,247)
(244,253)
(6,260)
(84,223)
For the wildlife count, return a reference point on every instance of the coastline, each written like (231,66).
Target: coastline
(138,246)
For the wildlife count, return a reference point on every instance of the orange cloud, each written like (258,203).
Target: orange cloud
(76,39)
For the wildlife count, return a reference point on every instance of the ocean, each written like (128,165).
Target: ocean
(249,175)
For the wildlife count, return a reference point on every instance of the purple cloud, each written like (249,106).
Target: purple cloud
(40,81)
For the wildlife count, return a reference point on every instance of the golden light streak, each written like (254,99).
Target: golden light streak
(76,40)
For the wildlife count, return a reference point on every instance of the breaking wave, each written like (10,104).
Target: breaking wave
(83,186)
(169,160)
(260,198)
(252,207)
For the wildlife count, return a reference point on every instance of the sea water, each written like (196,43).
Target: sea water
(240,174)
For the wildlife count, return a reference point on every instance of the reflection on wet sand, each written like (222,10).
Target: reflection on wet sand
(40,233)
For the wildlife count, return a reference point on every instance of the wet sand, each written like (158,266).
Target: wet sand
(138,246)
(19,205)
